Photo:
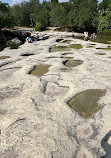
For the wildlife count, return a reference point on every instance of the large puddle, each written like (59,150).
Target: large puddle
(40,70)
(4,57)
(76,46)
(86,103)
(59,49)
(72,63)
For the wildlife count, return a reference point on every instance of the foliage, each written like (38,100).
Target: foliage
(57,16)
(12,45)
(77,15)
(105,20)
(6,19)
(38,26)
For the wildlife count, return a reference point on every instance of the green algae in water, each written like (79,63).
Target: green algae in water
(4,57)
(59,49)
(64,57)
(76,46)
(40,70)
(72,63)
(86,103)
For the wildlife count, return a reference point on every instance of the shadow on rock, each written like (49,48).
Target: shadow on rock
(106,146)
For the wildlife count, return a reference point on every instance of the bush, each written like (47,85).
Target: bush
(107,32)
(12,45)
(38,26)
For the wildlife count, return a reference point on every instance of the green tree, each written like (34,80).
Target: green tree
(6,19)
(105,20)
(58,16)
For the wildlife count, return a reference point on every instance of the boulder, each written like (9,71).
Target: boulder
(16,40)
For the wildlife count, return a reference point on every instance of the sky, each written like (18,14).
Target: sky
(11,2)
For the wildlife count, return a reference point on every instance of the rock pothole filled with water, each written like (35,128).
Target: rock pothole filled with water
(4,57)
(59,39)
(59,48)
(40,70)
(27,54)
(76,46)
(65,57)
(67,53)
(108,48)
(67,41)
(100,53)
(86,103)
(72,63)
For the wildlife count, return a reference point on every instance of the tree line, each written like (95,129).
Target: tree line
(77,15)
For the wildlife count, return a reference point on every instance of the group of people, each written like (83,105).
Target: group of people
(93,36)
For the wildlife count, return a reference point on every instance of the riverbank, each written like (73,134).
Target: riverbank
(36,119)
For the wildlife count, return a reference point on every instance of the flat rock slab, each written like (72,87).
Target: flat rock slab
(53,89)
(7,73)
(8,93)
(9,154)
(35,119)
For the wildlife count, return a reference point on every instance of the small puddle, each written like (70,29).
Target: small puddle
(59,39)
(59,49)
(64,57)
(4,57)
(72,63)
(90,46)
(100,53)
(67,41)
(67,53)
(76,46)
(26,54)
(86,103)
(104,48)
(40,70)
